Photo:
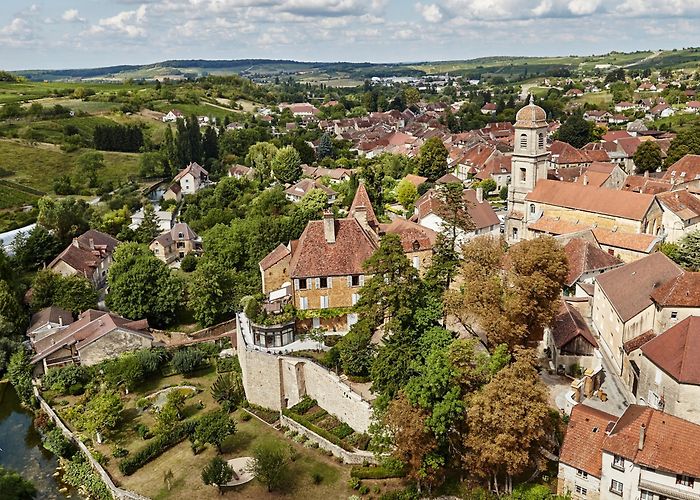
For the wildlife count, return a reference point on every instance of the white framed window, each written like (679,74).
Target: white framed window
(684,480)
(303,303)
(322,283)
(532,208)
(354,280)
(581,490)
(302,284)
(355,298)
(646,495)
(416,262)
(674,315)
(582,473)
(616,487)
(324,301)
(618,462)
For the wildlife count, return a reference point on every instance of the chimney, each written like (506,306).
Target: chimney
(585,179)
(646,174)
(642,435)
(60,321)
(480,194)
(75,243)
(329,226)
(360,214)
(91,243)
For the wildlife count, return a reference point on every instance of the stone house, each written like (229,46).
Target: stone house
(623,308)
(174,192)
(92,338)
(191,178)
(586,261)
(644,454)
(89,255)
(297,191)
(569,341)
(174,244)
(681,213)
(676,299)
(48,321)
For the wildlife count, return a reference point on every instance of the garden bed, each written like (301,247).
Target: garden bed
(264,414)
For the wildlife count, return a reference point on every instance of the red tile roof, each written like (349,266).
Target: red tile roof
(361,199)
(274,257)
(624,204)
(414,237)
(684,170)
(584,439)
(86,252)
(681,291)
(677,351)
(568,325)
(584,257)
(682,203)
(670,443)
(481,213)
(638,341)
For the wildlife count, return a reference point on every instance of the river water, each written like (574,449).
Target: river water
(21,450)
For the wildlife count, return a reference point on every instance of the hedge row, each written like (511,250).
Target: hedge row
(157,446)
(318,430)
(374,472)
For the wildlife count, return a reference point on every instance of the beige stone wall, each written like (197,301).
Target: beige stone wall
(63,269)
(276,275)
(608,324)
(112,345)
(339,293)
(589,218)
(663,319)
(568,478)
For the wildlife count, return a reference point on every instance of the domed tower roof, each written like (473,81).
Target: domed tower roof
(531,116)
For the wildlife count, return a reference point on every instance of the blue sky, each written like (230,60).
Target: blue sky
(88,33)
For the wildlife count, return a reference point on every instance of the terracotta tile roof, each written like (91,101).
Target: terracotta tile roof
(584,439)
(86,252)
(194,168)
(686,169)
(624,204)
(584,257)
(302,187)
(569,324)
(416,180)
(670,443)
(564,154)
(414,237)
(448,178)
(597,155)
(628,145)
(274,257)
(361,199)
(51,314)
(481,213)
(629,288)
(681,291)
(240,171)
(169,237)
(638,341)
(314,256)
(677,350)
(497,165)
(646,185)
(613,135)
(682,203)
(595,179)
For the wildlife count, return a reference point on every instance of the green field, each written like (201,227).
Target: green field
(11,197)
(28,91)
(202,109)
(39,165)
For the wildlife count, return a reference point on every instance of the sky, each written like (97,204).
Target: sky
(54,34)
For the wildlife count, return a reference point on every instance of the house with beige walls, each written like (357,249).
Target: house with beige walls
(175,244)
(89,255)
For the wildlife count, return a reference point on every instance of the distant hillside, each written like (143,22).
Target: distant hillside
(506,66)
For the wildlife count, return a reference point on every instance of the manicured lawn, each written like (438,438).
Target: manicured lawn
(39,165)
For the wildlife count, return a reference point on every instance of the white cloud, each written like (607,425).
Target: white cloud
(430,12)
(583,7)
(72,16)
(128,22)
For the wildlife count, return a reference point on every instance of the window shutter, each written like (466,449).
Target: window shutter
(349,281)
(330,282)
(296,284)
(362,280)
(318,283)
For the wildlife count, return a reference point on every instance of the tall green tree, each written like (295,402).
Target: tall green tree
(287,165)
(432,159)
(170,152)
(143,286)
(65,218)
(15,487)
(648,158)
(213,291)
(269,464)
(217,472)
(686,142)
(260,157)
(194,136)
(13,318)
(325,147)
(406,193)
(183,146)
(149,228)
(101,413)
(89,164)
(214,427)
(210,143)
(576,130)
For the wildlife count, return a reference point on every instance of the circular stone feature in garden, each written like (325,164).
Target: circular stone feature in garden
(159,398)
(240,471)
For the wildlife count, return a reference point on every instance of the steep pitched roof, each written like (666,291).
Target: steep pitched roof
(416,180)
(584,439)
(414,237)
(584,257)
(169,237)
(361,199)
(629,288)
(681,291)
(274,257)
(481,213)
(684,170)
(302,187)
(670,443)
(682,203)
(624,204)
(86,252)
(194,168)
(677,350)
(314,256)
(51,314)
(569,324)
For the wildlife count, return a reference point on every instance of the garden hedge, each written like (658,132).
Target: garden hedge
(375,473)
(318,430)
(157,446)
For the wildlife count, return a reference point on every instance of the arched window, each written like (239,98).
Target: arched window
(523,140)
(540,141)
(532,208)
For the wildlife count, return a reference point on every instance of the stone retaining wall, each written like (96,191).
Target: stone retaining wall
(117,493)
(349,457)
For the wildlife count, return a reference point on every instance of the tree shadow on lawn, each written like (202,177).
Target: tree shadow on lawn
(238,442)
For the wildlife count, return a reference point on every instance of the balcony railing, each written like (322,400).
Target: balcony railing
(675,492)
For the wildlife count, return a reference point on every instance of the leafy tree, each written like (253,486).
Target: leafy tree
(325,147)
(151,164)
(35,249)
(148,229)
(213,288)
(355,349)
(509,420)
(269,464)
(7,348)
(73,293)
(101,413)
(194,136)
(90,163)
(287,165)
(454,212)
(217,472)
(188,263)
(647,158)
(142,286)
(488,185)
(686,142)
(576,131)
(13,319)
(411,96)
(687,251)
(210,143)
(228,390)
(170,152)
(188,360)
(65,218)
(260,157)
(432,159)
(214,428)
(15,487)
(183,147)
(406,193)
(19,371)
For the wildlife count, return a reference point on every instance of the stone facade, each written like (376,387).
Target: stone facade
(579,484)
(327,292)
(112,345)
(276,275)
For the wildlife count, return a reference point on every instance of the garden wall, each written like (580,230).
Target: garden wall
(117,492)
(348,457)
(278,382)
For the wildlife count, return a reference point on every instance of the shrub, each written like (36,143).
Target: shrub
(79,474)
(157,446)
(228,364)
(317,478)
(245,416)
(188,360)
(99,457)
(42,422)
(143,431)
(300,438)
(342,431)
(188,263)
(58,444)
(304,405)
(364,489)
(143,403)
(375,473)
(354,483)
(119,452)
(318,430)
(376,489)
(67,380)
